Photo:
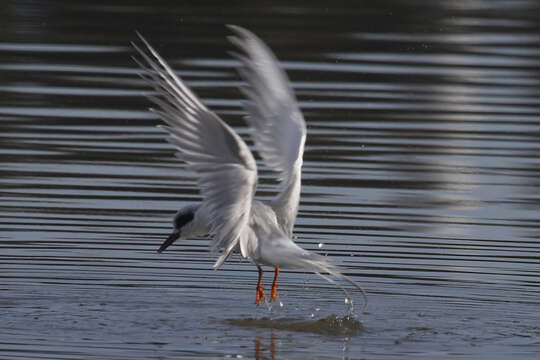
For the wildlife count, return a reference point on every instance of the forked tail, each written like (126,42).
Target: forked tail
(318,264)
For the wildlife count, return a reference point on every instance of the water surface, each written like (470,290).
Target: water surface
(420,177)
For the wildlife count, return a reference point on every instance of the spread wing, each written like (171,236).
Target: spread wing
(226,168)
(276,122)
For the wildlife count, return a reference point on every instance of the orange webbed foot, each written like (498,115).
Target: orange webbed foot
(260,295)
(274,295)
(260,292)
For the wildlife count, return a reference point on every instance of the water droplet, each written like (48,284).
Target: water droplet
(312,315)
(346,300)
(317,309)
(280,304)
(320,245)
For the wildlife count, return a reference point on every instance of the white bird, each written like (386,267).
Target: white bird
(236,222)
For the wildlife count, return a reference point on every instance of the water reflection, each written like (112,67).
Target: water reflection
(261,348)
(268,345)
(331,325)
(421,178)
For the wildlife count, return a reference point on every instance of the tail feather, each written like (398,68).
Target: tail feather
(284,253)
(317,264)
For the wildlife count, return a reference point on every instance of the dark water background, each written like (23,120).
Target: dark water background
(421,176)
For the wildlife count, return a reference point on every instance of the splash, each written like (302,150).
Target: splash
(331,325)
(348,298)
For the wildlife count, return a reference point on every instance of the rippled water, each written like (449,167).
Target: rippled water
(420,177)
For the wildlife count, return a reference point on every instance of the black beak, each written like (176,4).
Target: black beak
(172,238)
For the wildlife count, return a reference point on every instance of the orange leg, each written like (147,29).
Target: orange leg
(260,291)
(274,285)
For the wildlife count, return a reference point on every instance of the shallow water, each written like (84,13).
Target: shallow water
(420,178)
(331,325)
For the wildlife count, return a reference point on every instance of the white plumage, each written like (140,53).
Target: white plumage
(261,232)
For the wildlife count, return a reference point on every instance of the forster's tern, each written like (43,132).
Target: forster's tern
(259,231)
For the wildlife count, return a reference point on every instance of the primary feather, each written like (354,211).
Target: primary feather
(275,120)
(226,168)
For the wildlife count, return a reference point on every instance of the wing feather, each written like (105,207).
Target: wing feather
(276,122)
(226,168)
